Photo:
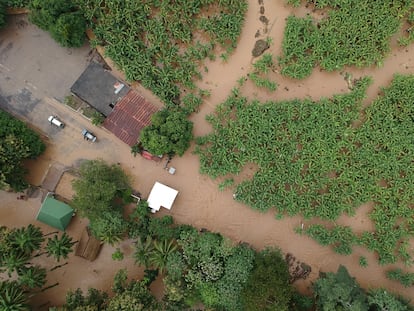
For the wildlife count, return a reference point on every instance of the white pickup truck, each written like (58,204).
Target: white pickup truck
(55,121)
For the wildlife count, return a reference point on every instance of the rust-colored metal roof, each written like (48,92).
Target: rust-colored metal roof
(130,115)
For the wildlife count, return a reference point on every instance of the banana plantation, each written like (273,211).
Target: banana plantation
(352,33)
(162,43)
(314,160)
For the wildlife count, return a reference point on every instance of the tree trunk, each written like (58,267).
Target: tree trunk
(49,287)
(58,266)
(54,232)
(39,254)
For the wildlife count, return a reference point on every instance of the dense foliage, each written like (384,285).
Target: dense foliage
(216,271)
(354,32)
(61,18)
(340,291)
(20,277)
(268,287)
(3,15)
(169,133)
(17,3)
(69,29)
(313,161)
(261,68)
(405,278)
(133,295)
(99,190)
(161,43)
(17,143)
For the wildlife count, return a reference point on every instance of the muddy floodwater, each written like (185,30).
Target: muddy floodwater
(199,202)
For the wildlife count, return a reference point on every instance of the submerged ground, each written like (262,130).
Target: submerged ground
(199,203)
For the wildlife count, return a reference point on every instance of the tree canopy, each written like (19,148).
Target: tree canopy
(99,184)
(20,277)
(132,296)
(169,133)
(61,18)
(17,143)
(339,291)
(3,15)
(98,192)
(216,270)
(69,29)
(268,287)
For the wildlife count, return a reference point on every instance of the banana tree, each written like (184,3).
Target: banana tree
(27,239)
(60,247)
(12,297)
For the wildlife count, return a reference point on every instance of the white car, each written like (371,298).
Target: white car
(55,121)
(88,135)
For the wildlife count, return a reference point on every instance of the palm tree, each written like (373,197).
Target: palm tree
(13,260)
(12,297)
(159,256)
(27,239)
(143,251)
(59,248)
(32,277)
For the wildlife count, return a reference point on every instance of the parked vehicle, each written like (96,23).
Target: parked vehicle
(55,121)
(88,135)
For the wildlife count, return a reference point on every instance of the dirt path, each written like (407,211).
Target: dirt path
(199,202)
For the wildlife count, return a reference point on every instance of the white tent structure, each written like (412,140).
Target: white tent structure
(161,196)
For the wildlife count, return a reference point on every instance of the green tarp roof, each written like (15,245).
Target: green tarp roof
(55,213)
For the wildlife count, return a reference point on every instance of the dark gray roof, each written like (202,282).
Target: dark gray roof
(95,86)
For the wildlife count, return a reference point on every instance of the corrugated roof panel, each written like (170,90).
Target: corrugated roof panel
(129,116)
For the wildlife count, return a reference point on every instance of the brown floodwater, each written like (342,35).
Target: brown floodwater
(199,202)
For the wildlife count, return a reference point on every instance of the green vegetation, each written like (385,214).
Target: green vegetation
(100,192)
(17,143)
(61,18)
(341,238)
(97,118)
(17,3)
(340,291)
(298,59)
(313,161)
(134,295)
(69,29)
(354,33)
(197,267)
(59,247)
(336,291)
(363,262)
(268,287)
(169,133)
(71,102)
(405,278)
(162,43)
(21,277)
(216,271)
(261,68)
(3,15)
(408,36)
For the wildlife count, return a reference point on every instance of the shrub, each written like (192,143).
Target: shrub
(61,18)
(69,30)
(3,15)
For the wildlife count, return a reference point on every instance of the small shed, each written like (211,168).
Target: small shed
(88,246)
(55,213)
(161,196)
